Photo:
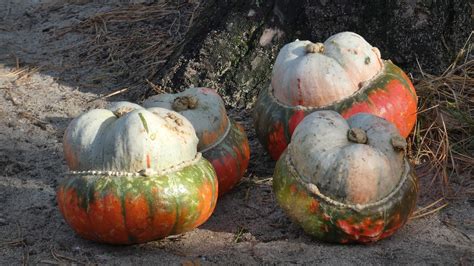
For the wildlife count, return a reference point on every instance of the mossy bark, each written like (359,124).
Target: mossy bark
(232,44)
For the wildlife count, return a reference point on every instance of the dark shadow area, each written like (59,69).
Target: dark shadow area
(413,34)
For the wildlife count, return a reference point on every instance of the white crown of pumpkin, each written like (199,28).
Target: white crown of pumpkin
(203,107)
(127,138)
(319,74)
(356,161)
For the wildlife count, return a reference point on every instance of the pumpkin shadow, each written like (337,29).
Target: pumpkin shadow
(250,212)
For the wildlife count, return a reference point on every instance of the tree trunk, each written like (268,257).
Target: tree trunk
(432,31)
(232,44)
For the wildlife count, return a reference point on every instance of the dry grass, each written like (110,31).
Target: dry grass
(429,209)
(18,241)
(20,73)
(132,43)
(443,140)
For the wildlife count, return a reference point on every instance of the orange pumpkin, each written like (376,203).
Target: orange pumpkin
(221,140)
(136,175)
(346,181)
(345,74)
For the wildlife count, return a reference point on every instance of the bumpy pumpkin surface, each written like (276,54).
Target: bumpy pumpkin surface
(222,141)
(345,74)
(136,175)
(346,181)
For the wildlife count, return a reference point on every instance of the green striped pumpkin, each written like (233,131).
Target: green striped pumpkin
(345,74)
(344,181)
(135,176)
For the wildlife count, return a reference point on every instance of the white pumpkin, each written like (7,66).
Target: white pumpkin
(358,161)
(203,107)
(129,138)
(317,74)
(346,181)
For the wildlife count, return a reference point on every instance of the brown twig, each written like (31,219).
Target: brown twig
(50,262)
(19,240)
(428,212)
(453,227)
(240,232)
(62,258)
(117,92)
(416,212)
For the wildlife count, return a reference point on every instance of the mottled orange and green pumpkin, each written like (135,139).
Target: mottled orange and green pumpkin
(136,175)
(345,74)
(222,141)
(344,181)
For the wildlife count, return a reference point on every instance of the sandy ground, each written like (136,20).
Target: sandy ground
(247,227)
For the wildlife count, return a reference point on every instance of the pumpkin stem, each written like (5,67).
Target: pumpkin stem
(357,135)
(123,111)
(184,103)
(399,143)
(315,48)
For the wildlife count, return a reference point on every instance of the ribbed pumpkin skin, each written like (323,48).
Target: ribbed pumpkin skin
(136,175)
(391,96)
(127,210)
(230,158)
(319,74)
(346,180)
(226,148)
(136,139)
(208,116)
(327,221)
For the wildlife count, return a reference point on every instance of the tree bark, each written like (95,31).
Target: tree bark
(232,44)
(432,31)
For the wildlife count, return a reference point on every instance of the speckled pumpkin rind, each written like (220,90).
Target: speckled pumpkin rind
(390,95)
(127,210)
(208,116)
(331,221)
(230,157)
(222,141)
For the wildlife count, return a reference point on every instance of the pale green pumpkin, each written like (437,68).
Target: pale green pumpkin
(319,74)
(346,181)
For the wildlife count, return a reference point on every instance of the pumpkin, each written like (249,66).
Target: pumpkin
(222,141)
(135,175)
(345,74)
(346,181)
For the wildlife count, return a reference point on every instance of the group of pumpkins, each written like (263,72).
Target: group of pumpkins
(141,173)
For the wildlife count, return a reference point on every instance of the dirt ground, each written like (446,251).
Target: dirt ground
(39,97)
